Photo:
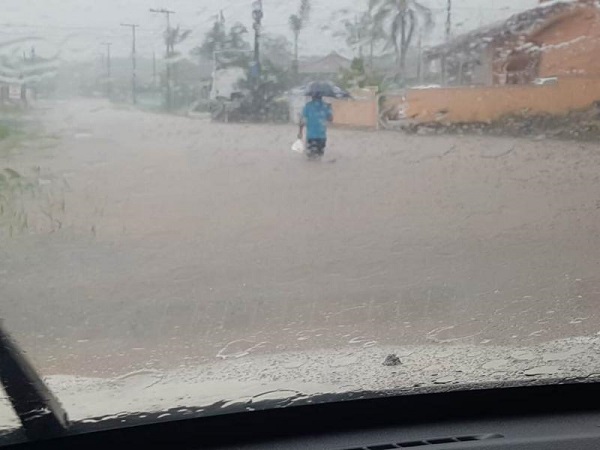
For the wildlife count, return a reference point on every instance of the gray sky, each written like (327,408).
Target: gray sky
(77,27)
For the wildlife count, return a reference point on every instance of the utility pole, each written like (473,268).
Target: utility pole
(154,69)
(169,45)
(133,62)
(108,70)
(448,31)
(449,20)
(257,15)
(420,60)
(34,86)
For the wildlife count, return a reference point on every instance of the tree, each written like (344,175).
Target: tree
(235,38)
(297,22)
(399,19)
(173,37)
(354,32)
(219,39)
(263,103)
(361,31)
(357,77)
(277,49)
(214,40)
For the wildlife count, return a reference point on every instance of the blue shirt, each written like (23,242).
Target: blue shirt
(316,114)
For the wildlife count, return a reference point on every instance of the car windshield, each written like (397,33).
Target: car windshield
(219,203)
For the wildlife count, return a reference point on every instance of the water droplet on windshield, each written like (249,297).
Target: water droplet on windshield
(344,360)
(561,356)
(279,394)
(445,353)
(445,380)
(542,370)
(496,364)
(239,349)
(392,360)
(524,356)
(577,320)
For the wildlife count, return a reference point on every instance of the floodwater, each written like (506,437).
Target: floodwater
(156,241)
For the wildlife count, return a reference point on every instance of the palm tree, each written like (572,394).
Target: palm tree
(361,32)
(297,23)
(375,35)
(173,37)
(231,43)
(277,49)
(355,31)
(235,40)
(399,19)
(215,39)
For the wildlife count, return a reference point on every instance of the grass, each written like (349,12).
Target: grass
(13,189)
(5,131)
(11,126)
(16,128)
(26,205)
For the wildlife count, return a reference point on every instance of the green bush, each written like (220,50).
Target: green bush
(358,77)
(4,131)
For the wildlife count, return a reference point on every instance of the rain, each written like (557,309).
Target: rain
(162,246)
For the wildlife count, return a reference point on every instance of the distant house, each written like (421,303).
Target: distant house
(557,38)
(387,64)
(324,68)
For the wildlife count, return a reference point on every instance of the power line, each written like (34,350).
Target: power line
(167,14)
(68,27)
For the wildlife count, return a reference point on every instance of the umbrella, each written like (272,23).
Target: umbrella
(325,89)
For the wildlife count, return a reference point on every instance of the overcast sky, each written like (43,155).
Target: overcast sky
(78,27)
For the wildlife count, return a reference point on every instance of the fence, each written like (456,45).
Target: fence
(485,104)
(356,113)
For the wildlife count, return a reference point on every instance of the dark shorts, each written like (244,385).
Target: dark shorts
(316,145)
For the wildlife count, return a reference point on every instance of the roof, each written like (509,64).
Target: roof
(524,23)
(331,63)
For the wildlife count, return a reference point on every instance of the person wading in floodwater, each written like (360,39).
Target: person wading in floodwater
(315,117)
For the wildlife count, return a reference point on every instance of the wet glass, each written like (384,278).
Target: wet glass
(162,247)
(8,419)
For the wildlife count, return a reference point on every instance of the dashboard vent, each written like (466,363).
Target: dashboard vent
(425,442)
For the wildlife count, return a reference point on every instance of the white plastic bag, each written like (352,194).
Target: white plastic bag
(298,146)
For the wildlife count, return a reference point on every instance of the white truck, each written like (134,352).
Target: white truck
(225,94)
(224,83)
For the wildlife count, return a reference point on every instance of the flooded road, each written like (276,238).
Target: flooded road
(156,241)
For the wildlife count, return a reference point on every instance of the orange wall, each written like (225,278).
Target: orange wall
(356,113)
(484,104)
(571,46)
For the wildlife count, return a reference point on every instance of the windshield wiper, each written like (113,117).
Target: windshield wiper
(39,411)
